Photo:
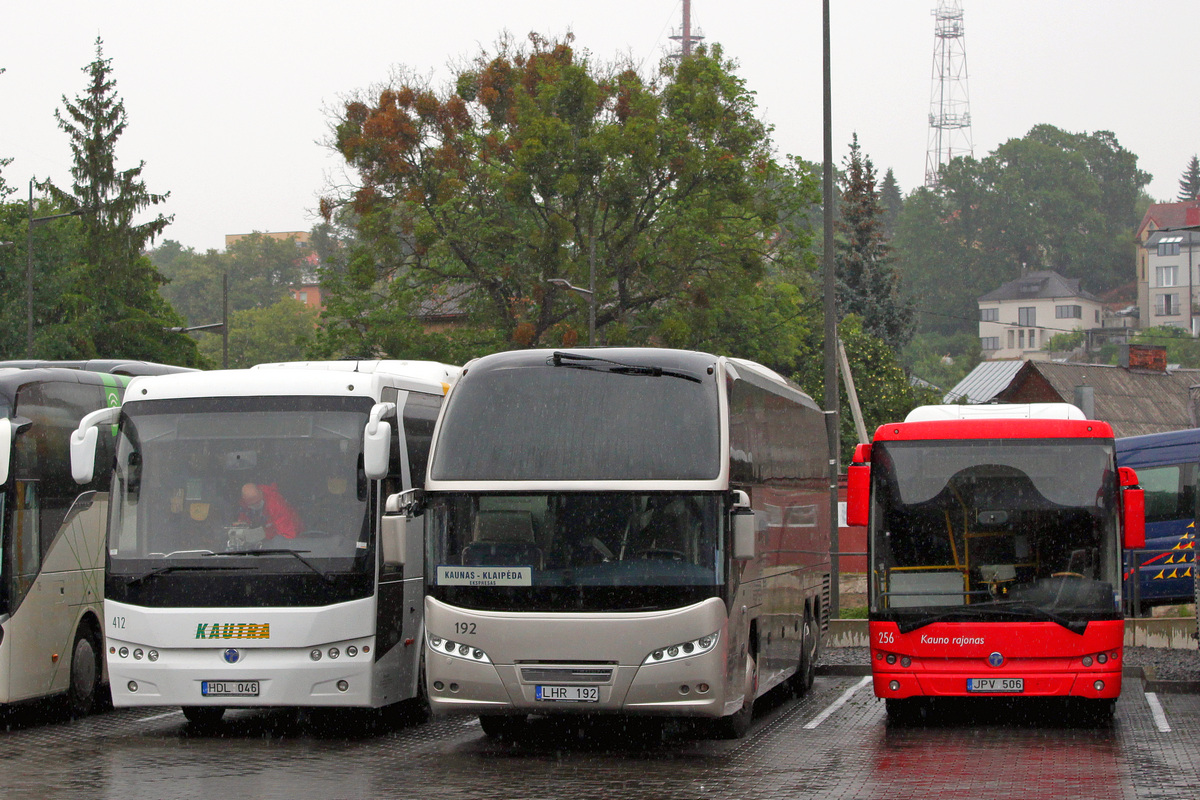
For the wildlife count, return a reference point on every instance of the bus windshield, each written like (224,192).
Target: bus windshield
(215,480)
(575,551)
(579,420)
(994,529)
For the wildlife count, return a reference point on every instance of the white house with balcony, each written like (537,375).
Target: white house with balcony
(1172,261)
(1018,318)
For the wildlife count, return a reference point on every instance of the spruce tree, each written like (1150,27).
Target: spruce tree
(1189,182)
(892,201)
(868,284)
(115,309)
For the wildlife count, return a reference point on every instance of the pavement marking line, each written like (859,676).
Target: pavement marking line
(841,701)
(159,716)
(1160,716)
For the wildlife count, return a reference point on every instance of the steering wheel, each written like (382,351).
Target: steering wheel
(1065,575)
(663,554)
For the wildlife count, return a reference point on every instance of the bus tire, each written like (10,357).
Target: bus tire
(502,726)
(1099,712)
(203,716)
(737,725)
(906,711)
(85,673)
(810,651)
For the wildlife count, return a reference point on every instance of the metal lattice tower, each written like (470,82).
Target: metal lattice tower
(687,36)
(949,105)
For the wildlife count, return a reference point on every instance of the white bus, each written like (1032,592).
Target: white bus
(625,531)
(243,566)
(51,530)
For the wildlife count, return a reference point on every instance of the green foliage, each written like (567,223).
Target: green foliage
(281,332)
(261,269)
(892,201)
(1064,342)
(868,284)
(539,158)
(1051,200)
(107,302)
(884,391)
(941,359)
(1189,181)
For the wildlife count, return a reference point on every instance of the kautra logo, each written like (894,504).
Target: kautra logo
(233,630)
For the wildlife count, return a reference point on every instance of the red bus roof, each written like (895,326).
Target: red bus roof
(995,428)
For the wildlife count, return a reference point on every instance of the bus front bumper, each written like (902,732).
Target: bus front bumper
(258,677)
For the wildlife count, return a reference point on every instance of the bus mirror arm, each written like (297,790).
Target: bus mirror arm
(83,442)
(377,441)
(743,525)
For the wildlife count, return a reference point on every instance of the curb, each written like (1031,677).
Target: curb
(1146,675)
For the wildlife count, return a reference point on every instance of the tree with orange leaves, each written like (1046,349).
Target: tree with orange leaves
(535,159)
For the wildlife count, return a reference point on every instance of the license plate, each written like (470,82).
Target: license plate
(568,694)
(229,688)
(995,684)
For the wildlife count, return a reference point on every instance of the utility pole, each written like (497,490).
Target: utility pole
(832,424)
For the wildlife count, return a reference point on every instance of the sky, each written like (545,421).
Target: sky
(230,104)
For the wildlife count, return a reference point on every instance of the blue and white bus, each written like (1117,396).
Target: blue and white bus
(1167,467)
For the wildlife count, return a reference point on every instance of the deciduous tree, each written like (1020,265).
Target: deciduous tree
(538,163)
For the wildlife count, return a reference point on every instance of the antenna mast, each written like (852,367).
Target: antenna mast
(686,35)
(949,105)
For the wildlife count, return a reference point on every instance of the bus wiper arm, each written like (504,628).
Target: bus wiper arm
(561,359)
(280,551)
(1023,611)
(136,579)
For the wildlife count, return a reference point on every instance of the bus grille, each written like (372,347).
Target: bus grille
(545,675)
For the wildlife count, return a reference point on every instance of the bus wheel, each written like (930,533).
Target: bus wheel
(735,726)
(502,726)
(906,711)
(1099,712)
(203,716)
(810,646)
(85,673)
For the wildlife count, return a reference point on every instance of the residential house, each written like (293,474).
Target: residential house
(1018,318)
(1163,217)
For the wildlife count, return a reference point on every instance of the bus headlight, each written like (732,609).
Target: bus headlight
(674,652)
(458,650)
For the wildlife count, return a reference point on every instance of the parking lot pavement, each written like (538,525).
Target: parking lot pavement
(835,742)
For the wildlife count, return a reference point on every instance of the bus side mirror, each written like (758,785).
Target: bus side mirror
(744,527)
(1133,509)
(83,442)
(377,441)
(401,528)
(858,487)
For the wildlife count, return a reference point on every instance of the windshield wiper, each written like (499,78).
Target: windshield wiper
(1021,611)
(136,579)
(279,551)
(561,359)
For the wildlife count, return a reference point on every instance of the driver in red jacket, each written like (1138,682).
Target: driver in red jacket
(264,507)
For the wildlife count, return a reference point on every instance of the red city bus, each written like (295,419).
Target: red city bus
(995,536)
